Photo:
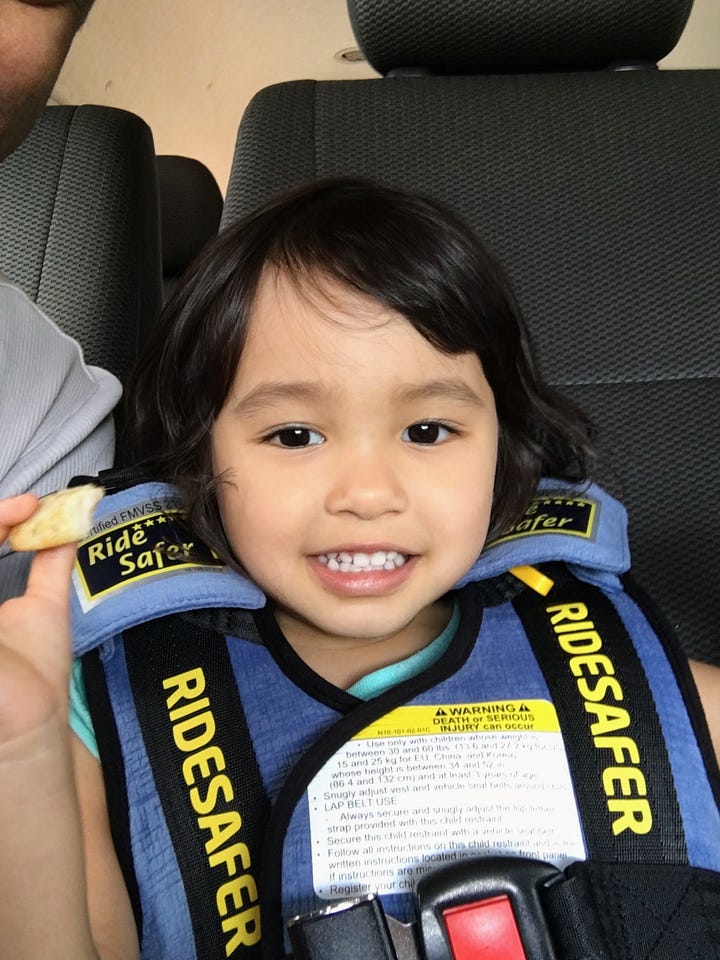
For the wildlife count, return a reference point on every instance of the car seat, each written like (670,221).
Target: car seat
(594,177)
(190,209)
(79,228)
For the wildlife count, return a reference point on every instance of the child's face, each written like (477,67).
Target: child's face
(346,432)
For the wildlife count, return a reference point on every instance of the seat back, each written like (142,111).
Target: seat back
(79,228)
(594,177)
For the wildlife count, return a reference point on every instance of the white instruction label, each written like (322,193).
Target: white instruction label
(428,785)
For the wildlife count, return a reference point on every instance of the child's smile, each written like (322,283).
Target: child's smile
(359,463)
(363,571)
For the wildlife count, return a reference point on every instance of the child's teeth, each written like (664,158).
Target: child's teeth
(362,562)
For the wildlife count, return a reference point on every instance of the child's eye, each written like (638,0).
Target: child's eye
(427,432)
(295,437)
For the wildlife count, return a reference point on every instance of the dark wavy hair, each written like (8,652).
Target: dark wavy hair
(407,252)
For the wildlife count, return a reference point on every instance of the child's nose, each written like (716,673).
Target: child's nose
(367,485)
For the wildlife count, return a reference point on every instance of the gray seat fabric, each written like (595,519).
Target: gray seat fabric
(598,189)
(190,209)
(499,36)
(79,228)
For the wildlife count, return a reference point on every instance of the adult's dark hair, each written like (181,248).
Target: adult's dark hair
(405,251)
(83,8)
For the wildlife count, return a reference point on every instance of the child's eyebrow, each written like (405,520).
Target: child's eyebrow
(267,394)
(450,388)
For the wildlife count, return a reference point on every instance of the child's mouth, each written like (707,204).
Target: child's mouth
(363,573)
(359,562)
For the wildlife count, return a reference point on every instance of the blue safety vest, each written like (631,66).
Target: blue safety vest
(244,789)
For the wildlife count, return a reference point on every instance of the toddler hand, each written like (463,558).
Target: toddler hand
(35,648)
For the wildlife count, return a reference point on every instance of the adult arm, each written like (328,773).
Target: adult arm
(56,413)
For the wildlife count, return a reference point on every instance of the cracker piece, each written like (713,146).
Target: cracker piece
(61,517)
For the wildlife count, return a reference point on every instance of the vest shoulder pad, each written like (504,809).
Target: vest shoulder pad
(580,525)
(141,561)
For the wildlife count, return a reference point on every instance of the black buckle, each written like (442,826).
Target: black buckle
(487,906)
(488,903)
(343,931)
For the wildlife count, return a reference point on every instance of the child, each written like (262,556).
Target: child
(317,655)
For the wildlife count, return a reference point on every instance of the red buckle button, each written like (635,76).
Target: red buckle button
(485,930)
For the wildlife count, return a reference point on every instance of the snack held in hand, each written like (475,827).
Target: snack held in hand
(62,517)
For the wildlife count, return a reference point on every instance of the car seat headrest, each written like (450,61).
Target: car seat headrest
(464,37)
(190,209)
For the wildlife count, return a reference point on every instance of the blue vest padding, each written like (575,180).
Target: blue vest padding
(285,720)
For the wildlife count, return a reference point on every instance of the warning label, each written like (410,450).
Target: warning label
(427,785)
(465,717)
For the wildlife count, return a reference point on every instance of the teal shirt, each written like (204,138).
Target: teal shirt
(366,688)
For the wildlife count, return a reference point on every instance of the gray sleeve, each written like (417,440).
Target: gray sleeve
(55,413)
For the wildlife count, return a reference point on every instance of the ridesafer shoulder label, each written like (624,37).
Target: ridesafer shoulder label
(426,785)
(152,542)
(574,516)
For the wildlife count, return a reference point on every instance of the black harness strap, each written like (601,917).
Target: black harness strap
(591,738)
(207,777)
(639,911)
(113,770)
